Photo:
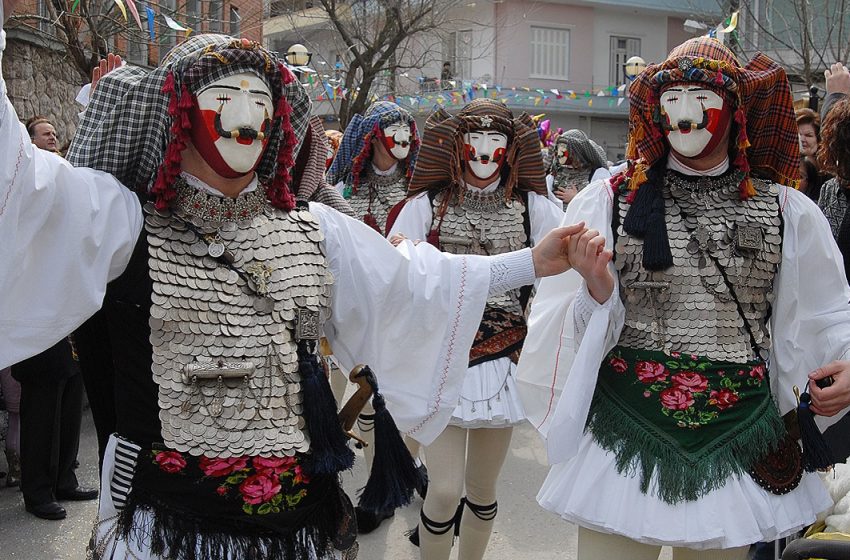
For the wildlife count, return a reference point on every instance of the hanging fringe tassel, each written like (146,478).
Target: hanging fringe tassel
(816,453)
(328,443)
(372,222)
(394,475)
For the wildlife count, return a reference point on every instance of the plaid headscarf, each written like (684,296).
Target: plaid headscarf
(355,149)
(581,149)
(764,111)
(441,164)
(137,123)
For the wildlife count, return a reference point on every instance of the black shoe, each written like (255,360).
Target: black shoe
(368,521)
(48,510)
(78,494)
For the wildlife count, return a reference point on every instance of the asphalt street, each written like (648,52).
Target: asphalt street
(523,531)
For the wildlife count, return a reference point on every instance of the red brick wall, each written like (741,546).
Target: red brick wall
(251,12)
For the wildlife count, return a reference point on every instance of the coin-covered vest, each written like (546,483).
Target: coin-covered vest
(488,224)
(376,195)
(684,397)
(688,307)
(224,337)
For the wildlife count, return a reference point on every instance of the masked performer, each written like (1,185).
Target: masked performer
(219,286)
(334,137)
(576,160)
(374,161)
(479,189)
(669,430)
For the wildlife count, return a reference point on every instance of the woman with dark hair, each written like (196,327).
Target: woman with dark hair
(834,157)
(808,130)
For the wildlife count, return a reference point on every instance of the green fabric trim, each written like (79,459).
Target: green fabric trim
(689,461)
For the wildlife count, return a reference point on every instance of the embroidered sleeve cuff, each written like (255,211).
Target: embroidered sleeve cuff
(584,307)
(510,271)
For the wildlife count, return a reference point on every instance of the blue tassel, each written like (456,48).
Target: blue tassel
(394,475)
(329,451)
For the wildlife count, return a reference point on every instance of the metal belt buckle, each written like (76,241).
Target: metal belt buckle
(199,371)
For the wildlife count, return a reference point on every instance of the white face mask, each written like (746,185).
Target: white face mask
(692,118)
(562,155)
(239,107)
(485,152)
(397,140)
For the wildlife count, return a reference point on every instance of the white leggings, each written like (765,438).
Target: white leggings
(593,545)
(461,459)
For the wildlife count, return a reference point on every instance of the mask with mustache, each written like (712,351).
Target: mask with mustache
(695,119)
(230,123)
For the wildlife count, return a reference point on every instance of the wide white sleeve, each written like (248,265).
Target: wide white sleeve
(64,233)
(410,312)
(556,376)
(550,192)
(545,216)
(414,219)
(811,316)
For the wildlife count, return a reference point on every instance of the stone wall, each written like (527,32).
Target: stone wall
(42,81)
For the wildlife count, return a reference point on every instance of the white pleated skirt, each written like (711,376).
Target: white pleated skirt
(589,492)
(489,398)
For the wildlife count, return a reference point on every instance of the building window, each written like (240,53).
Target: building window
(137,51)
(457,51)
(216,16)
(167,36)
(550,53)
(622,49)
(193,15)
(45,25)
(235,22)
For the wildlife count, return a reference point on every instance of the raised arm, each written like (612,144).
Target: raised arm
(65,233)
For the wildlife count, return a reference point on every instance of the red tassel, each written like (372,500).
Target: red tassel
(718,78)
(279,193)
(370,221)
(187,100)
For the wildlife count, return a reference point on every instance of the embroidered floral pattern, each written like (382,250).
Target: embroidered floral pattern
(263,484)
(685,389)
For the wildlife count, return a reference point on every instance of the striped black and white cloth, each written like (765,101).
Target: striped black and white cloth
(126,457)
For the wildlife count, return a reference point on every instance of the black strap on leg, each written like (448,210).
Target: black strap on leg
(440,527)
(484,513)
(366,422)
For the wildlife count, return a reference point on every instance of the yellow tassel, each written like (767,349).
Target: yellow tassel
(747,188)
(638,177)
(744,145)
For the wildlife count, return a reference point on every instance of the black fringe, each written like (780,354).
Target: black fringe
(645,219)
(177,535)
(817,455)
(394,475)
(329,451)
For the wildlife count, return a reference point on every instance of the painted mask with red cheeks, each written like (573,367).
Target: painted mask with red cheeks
(231,122)
(396,139)
(484,152)
(694,118)
(562,154)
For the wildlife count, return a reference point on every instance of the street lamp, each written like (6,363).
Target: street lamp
(634,66)
(298,55)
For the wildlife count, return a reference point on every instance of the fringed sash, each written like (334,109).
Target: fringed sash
(683,419)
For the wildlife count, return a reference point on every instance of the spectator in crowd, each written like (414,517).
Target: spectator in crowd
(837,87)
(51,414)
(12,398)
(834,156)
(808,130)
(42,133)
(446,75)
